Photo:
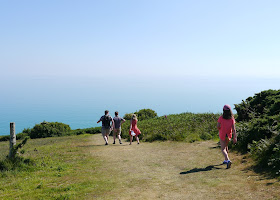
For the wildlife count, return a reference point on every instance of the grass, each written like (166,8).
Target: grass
(82,167)
(64,170)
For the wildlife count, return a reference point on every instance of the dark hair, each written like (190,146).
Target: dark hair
(227,114)
(106,112)
(116,113)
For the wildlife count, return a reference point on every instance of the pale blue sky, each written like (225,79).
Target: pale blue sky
(171,56)
(154,37)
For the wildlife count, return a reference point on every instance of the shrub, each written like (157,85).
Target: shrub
(258,129)
(21,136)
(49,129)
(93,130)
(128,116)
(142,114)
(4,138)
(180,127)
(15,161)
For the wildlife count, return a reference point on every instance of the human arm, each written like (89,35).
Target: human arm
(101,118)
(130,125)
(113,125)
(123,120)
(218,125)
(234,134)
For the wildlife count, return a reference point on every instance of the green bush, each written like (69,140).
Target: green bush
(258,129)
(4,138)
(15,161)
(142,114)
(21,136)
(49,129)
(93,130)
(180,127)
(128,116)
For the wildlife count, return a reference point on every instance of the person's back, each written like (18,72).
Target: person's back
(106,125)
(226,128)
(117,126)
(106,121)
(117,121)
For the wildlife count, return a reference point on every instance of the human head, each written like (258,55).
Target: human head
(227,113)
(133,116)
(106,112)
(116,113)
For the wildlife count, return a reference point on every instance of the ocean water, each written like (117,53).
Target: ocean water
(81,102)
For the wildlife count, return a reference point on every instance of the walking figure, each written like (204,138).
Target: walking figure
(118,121)
(107,125)
(226,126)
(134,131)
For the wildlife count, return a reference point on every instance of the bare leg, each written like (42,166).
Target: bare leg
(120,139)
(130,139)
(137,138)
(106,138)
(224,147)
(114,136)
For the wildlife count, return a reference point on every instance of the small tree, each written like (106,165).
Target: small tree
(128,116)
(146,114)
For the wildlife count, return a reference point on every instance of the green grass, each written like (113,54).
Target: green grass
(82,167)
(63,170)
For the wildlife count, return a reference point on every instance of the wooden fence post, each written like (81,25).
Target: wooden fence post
(12,138)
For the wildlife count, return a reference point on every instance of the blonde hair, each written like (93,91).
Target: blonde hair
(133,117)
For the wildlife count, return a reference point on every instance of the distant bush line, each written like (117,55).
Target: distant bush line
(51,129)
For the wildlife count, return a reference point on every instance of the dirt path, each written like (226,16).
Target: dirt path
(174,170)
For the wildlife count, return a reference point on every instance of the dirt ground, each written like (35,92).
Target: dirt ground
(177,170)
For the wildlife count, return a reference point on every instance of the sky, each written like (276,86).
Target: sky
(140,38)
(54,52)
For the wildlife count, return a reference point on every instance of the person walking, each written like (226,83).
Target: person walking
(118,121)
(107,124)
(134,131)
(226,126)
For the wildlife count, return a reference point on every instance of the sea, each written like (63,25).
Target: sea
(80,102)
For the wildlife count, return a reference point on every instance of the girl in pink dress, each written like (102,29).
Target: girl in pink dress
(134,131)
(226,126)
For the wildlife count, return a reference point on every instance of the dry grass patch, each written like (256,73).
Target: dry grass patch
(176,170)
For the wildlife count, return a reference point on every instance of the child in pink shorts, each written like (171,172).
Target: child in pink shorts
(226,126)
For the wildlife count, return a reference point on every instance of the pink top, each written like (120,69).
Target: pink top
(226,127)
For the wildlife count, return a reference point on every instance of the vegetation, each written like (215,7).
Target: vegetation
(60,168)
(51,129)
(72,167)
(142,114)
(15,161)
(179,127)
(258,129)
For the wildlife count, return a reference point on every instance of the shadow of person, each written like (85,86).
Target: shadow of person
(208,168)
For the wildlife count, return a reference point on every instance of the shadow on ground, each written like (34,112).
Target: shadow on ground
(208,168)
